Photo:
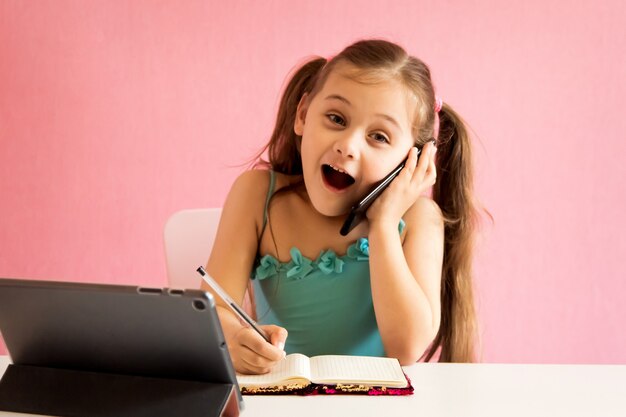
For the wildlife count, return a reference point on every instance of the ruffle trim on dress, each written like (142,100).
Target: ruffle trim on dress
(328,262)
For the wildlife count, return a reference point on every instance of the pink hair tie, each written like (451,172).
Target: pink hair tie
(438,104)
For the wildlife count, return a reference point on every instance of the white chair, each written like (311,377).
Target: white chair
(188,237)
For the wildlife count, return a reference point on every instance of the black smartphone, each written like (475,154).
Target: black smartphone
(357,213)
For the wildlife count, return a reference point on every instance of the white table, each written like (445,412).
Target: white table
(467,390)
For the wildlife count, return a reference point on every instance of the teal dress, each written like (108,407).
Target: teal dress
(324,303)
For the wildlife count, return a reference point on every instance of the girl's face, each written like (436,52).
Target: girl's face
(353,135)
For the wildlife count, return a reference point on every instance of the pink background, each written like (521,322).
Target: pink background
(114,115)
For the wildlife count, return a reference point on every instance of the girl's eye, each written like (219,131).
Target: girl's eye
(336,119)
(379,137)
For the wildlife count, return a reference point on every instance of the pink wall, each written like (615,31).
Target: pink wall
(113,115)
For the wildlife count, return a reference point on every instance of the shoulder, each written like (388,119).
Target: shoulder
(245,204)
(425,213)
(252,182)
(249,192)
(246,198)
(256,182)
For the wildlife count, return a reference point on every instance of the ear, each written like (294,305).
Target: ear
(298,125)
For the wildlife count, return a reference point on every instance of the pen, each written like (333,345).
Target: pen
(231,303)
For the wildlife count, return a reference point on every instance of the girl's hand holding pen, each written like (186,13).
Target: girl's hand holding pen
(251,354)
(253,348)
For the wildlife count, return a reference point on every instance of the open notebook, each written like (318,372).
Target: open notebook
(329,374)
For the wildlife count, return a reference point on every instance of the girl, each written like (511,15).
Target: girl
(399,283)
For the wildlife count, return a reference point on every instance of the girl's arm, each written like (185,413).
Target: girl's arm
(406,277)
(230,264)
(406,280)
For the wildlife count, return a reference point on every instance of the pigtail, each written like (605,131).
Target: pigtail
(284,145)
(453,192)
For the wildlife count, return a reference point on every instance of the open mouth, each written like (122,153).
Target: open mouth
(336,178)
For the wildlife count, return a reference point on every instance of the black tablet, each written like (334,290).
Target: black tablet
(114,329)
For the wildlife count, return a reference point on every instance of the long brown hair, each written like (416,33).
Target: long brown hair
(372,61)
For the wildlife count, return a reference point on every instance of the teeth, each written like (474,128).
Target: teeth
(337,169)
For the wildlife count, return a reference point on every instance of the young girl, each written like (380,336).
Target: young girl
(399,284)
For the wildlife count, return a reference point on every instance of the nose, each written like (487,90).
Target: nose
(348,145)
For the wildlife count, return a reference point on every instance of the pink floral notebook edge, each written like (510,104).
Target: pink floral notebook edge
(320,389)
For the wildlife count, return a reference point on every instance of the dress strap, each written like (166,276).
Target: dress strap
(270,192)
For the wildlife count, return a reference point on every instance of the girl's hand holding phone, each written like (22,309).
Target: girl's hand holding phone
(251,354)
(416,177)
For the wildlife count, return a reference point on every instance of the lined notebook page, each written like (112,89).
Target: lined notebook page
(357,369)
(292,366)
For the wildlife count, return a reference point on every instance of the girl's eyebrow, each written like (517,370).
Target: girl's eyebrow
(338,97)
(346,101)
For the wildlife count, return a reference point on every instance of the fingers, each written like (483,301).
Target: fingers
(254,354)
(256,343)
(411,162)
(431,171)
(423,170)
(251,363)
(278,336)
